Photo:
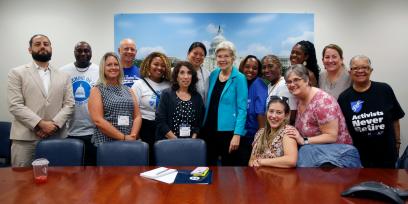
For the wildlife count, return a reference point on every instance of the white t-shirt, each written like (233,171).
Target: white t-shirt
(147,99)
(280,89)
(82,81)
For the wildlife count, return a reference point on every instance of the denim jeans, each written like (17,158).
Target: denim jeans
(340,155)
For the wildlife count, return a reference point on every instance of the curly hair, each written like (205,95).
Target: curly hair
(145,66)
(175,86)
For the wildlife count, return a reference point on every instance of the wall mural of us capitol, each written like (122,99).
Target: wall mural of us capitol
(258,34)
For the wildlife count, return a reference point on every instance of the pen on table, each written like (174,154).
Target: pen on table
(160,172)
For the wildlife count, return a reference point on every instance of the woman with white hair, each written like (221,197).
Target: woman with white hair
(225,115)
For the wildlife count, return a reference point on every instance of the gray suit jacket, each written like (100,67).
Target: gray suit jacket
(29,103)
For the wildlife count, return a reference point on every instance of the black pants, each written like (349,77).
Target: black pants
(217,147)
(148,135)
(90,149)
(244,151)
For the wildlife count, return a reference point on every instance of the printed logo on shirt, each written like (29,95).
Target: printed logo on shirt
(81,86)
(154,101)
(129,80)
(356,105)
(372,123)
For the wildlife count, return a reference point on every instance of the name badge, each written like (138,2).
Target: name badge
(123,120)
(185,130)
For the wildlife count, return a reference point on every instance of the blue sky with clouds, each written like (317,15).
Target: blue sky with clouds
(252,33)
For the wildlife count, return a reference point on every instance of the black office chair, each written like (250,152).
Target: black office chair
(5,144)
(61,152)
(180,152)
(123,153)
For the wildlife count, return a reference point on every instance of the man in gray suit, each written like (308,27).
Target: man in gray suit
(40,99)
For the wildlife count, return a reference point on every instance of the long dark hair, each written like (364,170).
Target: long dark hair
(311,62)
(175,86)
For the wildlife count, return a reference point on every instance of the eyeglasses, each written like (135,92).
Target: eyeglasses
(281,98)
(362,68)
(294,81)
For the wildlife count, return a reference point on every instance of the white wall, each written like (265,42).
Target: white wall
(377,29)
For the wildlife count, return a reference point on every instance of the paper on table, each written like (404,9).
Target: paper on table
(162,174)
(169,178)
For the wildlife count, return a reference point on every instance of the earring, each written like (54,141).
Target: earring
(304,63)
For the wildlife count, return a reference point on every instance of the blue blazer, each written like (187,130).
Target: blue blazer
(232,108)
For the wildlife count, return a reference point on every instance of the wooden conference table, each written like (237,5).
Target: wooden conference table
(230,185)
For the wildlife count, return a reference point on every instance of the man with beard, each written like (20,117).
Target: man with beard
(84,75)
(127,51)
(40,99)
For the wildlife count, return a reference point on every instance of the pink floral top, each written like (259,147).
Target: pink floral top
(322,108)
(275,148)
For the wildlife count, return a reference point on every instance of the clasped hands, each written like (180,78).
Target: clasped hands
(130,137)
(45,128)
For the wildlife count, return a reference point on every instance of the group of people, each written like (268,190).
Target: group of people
(252,115)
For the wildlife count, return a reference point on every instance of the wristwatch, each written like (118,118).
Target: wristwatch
(305,141)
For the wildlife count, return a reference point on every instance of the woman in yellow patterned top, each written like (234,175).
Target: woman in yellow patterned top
(272,145)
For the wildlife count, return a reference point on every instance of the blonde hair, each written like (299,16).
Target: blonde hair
(145,66)
(102,64)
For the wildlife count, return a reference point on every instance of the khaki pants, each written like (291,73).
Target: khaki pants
(22,153)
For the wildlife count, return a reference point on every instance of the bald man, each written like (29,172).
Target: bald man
(83,74)
(127,51)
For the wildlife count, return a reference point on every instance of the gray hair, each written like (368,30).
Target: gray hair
(227,45)
(360,57)
(299,70)
(102,64)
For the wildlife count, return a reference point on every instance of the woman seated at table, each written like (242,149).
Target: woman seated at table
(321,124)
(112,106)
(181,107)
(273,145)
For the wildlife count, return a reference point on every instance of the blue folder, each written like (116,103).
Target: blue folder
(184,177)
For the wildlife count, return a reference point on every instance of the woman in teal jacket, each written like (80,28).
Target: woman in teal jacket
(225,115)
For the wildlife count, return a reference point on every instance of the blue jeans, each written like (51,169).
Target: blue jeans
(340,155)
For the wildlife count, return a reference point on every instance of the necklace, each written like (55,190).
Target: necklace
(184,96)
(79,69)
(224,77)
(273,87)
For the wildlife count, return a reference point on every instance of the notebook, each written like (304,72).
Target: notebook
(162,174)
(185,177)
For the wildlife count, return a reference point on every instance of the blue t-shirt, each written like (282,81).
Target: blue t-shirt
(131,74)
(257,94)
